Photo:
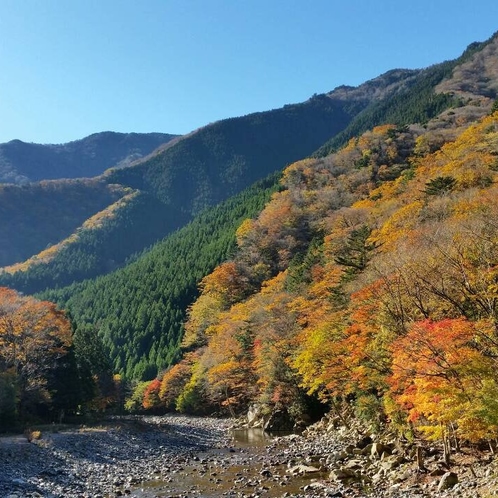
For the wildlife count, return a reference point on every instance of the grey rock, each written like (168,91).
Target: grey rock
(343,474)
(302,469)
(378,449)
(448,480)
(279,421)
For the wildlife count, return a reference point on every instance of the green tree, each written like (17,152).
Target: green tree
(440,185)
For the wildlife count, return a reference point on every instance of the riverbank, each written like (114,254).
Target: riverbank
(360,464)
(105,461)
(175,456)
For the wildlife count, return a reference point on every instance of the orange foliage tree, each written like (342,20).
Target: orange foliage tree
(34,337)
(444,382)
(173,381)
(151,398)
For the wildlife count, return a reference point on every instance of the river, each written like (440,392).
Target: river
(243,469)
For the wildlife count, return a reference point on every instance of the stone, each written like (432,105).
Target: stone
(336,457)
(302,469)
(314,486)
(377,449)
(279,421)
(364,441)
(343,474)
(353,464)
(255,416)
(402,476)
(349,449)
(391,462)
(447,481)
(437,472)
(367,450)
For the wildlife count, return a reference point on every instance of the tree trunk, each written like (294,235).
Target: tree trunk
(420,459)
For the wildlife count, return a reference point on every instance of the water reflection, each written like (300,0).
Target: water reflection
(254,436)
(231,471)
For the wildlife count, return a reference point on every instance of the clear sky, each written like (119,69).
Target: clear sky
(69,68)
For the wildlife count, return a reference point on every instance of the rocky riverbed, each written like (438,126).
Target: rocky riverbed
(177,456)
(105,461)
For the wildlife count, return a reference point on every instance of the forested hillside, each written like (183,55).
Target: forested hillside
(39,215)
(100,245)
(222,158)
(370,278)
(139,310)
(22,162)
(172,185)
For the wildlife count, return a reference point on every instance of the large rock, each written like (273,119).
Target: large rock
(447,481)
(363,442)
(392,462)
(279,421)
(378,449)
(255,416)
(337,456)
(302,469)
(344,474)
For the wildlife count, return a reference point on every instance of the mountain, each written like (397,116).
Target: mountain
(21,162)
(95,243)
(214,162)
(177,181)
(221,159)
(368,282)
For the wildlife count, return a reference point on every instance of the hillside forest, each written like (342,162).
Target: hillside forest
(374,286)
(363,277)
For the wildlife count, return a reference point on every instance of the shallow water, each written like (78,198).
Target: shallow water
(235,471)
(251,438)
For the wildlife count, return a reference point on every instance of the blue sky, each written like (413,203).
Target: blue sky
(69,68)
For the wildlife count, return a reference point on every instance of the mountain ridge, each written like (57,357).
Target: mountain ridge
(213,162)
(23,162)
(193,172)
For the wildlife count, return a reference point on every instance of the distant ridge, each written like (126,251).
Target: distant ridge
(380,130)
(22,162)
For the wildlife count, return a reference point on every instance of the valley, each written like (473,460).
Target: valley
(146,457)
(328,268)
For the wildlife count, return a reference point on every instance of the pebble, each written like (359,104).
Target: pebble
(118,459)
(104,461)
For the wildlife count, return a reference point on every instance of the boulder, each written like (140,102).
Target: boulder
(302,469)
(392,462)
(279,421)
(367,450)
(353,464)
(378,449)
(336,457)
(349,449)
(255,417)
(437,472)
(266,473)
(364,441)
(447,481)
(343,474)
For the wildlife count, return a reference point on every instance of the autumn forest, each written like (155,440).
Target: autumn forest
(357,268)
